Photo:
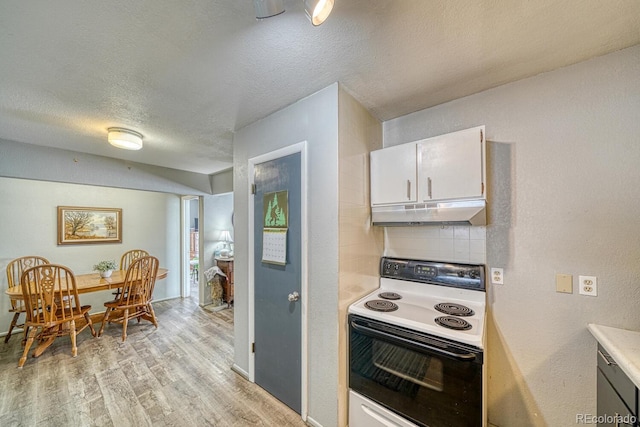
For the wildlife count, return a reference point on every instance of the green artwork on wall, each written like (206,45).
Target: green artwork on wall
(276,209)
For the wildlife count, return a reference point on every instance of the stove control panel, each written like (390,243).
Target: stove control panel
(467,276)
(425,270)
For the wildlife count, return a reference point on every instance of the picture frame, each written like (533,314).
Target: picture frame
(88,225)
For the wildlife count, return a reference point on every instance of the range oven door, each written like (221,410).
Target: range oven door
(428,380)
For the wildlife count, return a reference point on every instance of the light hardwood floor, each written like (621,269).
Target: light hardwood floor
(177,375)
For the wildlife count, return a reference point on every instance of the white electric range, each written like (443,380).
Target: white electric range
(417,346)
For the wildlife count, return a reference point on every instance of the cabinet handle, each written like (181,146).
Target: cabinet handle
(607,359)
(429,187)
(408,189)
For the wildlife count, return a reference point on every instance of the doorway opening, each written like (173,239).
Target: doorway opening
(207,250)
(216,261)
(191,248)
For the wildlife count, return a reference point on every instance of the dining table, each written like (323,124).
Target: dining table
(91,282)
(85,283)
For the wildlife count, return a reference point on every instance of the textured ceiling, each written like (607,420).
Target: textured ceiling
(187,74)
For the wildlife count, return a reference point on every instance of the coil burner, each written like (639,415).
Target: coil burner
(453,322)
(381,305)
(390,295)
(453,309)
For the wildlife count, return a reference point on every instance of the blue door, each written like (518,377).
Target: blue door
(278,278)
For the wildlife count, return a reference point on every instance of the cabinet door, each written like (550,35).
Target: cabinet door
(393,174)
(611,409)
(451,166)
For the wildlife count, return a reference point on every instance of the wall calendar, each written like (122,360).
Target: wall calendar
(276,223)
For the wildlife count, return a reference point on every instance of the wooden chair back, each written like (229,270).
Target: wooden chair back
(50,295)
(134,300)
(139,282)
(52,305)
(130,256)
(15,268)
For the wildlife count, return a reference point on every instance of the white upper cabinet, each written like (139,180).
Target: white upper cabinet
(452,166)
(445,167)
(393,174)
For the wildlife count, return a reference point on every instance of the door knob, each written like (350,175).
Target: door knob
(294,296)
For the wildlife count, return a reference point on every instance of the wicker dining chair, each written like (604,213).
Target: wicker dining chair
(53,307)
(126,260)
(134,300)
(15,268)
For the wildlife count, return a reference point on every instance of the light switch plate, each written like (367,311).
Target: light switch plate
(564,283)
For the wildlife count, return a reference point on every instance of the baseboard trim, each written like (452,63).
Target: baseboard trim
(166,299)
(312,422)
(238,370)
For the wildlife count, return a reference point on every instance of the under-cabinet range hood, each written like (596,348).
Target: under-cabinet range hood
(462,212)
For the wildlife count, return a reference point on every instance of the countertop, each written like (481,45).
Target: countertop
(623,346)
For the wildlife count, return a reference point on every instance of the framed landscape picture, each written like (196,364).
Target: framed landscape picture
(78,225)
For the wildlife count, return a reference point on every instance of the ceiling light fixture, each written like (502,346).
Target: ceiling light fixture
(317,10)
(268,8)
(124,138)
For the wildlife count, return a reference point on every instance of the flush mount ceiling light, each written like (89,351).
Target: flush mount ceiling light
(268,8)
(317,10)
(125,138)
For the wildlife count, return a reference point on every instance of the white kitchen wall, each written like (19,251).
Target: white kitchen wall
(360,244)
(464,244)
(563,153)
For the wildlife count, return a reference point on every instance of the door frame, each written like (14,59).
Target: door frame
(301,148)
(185,267)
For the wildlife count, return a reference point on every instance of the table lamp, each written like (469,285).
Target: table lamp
(225,237)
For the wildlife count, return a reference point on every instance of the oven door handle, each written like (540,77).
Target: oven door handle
(466,357)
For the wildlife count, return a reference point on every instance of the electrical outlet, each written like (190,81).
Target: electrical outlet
(588,285)
(497,276)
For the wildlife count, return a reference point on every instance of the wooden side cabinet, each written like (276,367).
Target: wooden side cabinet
(226,265)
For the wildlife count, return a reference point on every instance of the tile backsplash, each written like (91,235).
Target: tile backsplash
(465,244)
